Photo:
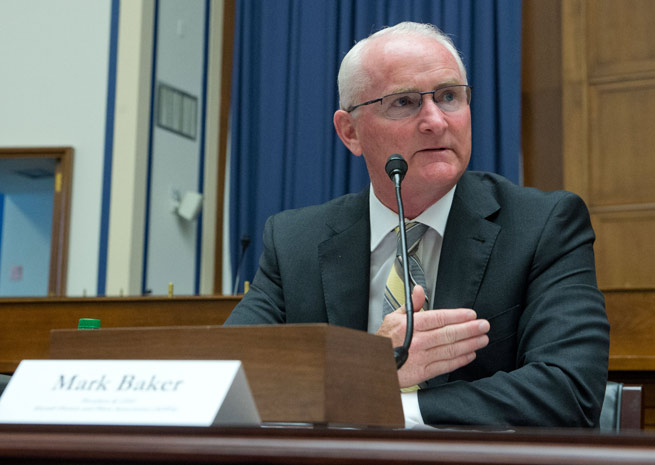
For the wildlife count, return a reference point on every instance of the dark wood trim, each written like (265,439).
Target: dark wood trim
(61,213)
(61,209)
(541,95)
(36,444)
(226,89)
(26,322)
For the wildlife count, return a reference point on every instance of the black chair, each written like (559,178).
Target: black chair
(621,408)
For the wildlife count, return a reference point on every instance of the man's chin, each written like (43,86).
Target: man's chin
(440,174)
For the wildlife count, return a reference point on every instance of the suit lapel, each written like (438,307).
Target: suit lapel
(344,258)
(344,255)
(468,241)
(467,245)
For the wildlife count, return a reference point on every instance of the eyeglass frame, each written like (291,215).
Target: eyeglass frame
(469,90)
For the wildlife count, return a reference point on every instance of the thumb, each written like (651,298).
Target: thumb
(418,298)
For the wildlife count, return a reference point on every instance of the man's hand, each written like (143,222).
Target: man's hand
(443,341)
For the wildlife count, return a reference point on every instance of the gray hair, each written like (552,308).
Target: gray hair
(353,78)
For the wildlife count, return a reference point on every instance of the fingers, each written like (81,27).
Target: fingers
(434,319)
(456,349)
(451,333)
(460,331)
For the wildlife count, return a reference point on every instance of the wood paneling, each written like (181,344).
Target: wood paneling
(625,251)
(622,36)
(575,113)
(621,158)
(632,321)
(608,112)
(26,323)
(608,116)
(223,132)
(541,95)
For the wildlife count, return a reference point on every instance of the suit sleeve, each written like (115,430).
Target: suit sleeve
(264,302)
(561,340)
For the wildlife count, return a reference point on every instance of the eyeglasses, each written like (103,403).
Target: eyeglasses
(405,104)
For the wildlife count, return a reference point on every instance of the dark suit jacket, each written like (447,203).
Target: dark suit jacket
(521,258)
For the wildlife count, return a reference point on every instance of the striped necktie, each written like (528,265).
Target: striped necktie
(394,293)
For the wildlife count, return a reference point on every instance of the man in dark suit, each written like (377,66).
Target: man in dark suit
(517,332)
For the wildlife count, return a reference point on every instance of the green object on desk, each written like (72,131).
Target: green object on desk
(88,323)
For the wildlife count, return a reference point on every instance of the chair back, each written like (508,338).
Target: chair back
(621,407)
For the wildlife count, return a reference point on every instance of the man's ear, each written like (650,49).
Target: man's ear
(344,123)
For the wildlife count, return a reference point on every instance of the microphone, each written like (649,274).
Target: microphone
(396,167)
(245,242)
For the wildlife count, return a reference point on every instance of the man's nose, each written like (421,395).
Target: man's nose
(432,117)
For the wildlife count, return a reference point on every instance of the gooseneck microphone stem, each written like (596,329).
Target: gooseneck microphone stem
(245,242)
(396,168)
(401,353)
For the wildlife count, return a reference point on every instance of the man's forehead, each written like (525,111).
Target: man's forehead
(395,47)
(393,55)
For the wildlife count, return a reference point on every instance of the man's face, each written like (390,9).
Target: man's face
(435,144)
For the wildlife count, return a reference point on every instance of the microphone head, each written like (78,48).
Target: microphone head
(396,164)
(245,241)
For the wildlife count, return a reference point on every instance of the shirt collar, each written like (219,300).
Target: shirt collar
(384,220)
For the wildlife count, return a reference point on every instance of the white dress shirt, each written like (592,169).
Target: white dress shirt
(383,253)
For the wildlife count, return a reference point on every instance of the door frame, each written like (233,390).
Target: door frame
(61,209)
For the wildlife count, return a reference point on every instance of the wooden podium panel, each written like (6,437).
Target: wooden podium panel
(317,374)
(26,322)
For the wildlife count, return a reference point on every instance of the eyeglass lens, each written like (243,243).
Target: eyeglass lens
(405,104)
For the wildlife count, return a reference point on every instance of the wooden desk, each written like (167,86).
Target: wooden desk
(104,445)
(26,325)
(26,322)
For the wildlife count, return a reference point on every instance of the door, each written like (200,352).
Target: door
(35,193)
